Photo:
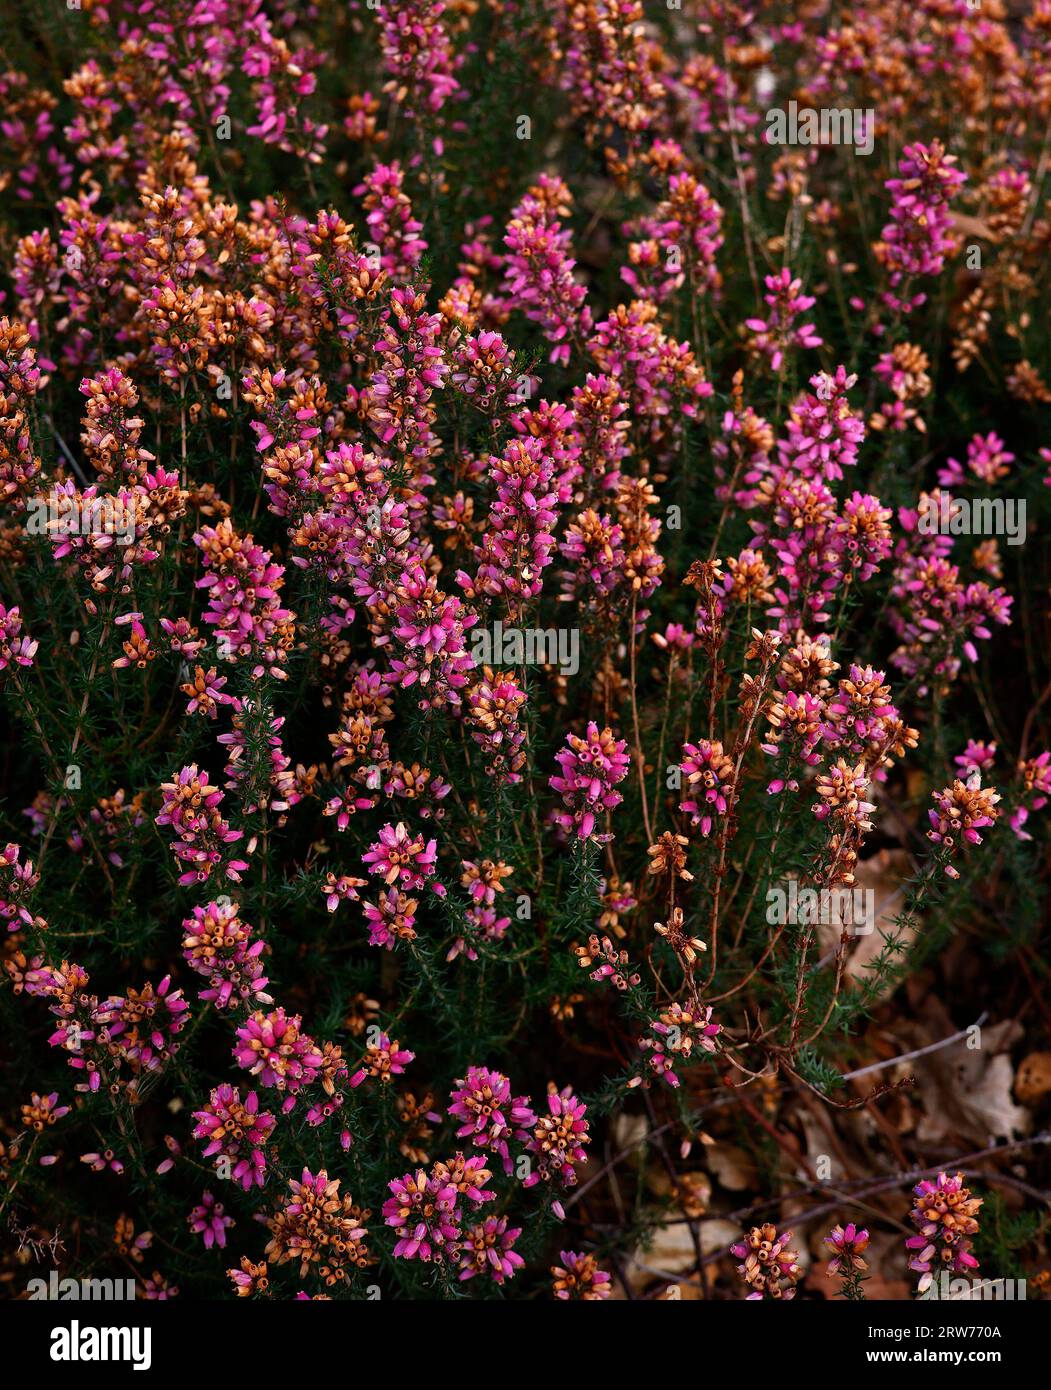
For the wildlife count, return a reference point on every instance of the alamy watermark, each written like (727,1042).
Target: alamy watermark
(803,125)
(60,514)
(853,910)
(973,516)
(77,1343)
(956,1288)
(89,1290)
(530,646)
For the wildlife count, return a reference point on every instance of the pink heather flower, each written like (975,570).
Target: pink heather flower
(519,540)
(182,637)
(143,1024)
(100,1162)
(558,1140)
(494,707)
(939,617)
(468,1176)
(918,237)
(236,1132)
(205,691)
(245,765)
(383,1059)
(539,269)
(17,881)
(209,1221)
(860,715)
(709,781)
(157,1289)
(429,629)
(976,757)
(346,805)
(138,650)
(339,888)
(191,807)
(488,1249)
(796,731)
(425,789)
(680,243)
(273,1047)
(81,1016)
(614,964)
(823,432)
(403,860)
(987,460)
(842,789)
(419,55)
(426,1212)
(15,649)
(284,77)
(594,546)
(411,367)
(317,1225)
(590,768)
(579,1277)
(657,374)
(243,587)
(484,925)
(768,1267)
(40,1113)
(249,1279)
(600,431)
(219,947)
(817,549)
(673,1037)
(778,332)
(945,1215)
(36,277)
(391,919)
(1035,776)
(862,535)
(20,381)
(676,637)
(483,369)
(339,281)
(105,534)
(113,426)
(392,226)
(849,1244)
(490,1116)
(959,812)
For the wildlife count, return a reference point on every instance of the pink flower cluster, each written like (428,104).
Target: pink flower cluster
(236,1131)
(191,808)
(917,239)
(218,945)
(589,770)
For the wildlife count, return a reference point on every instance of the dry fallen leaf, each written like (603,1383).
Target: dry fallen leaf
(966,1090)
(671,1251)
(972,226)
(733,1168)
(1033,1080)
(883,875)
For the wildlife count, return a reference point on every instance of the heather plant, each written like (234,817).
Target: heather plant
(480,517)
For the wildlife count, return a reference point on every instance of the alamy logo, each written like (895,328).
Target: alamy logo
(973,516)
(92,1290)
(76,1343)
(802,125)
(851,909)
(530,646)
(62,514)
(945,1286)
